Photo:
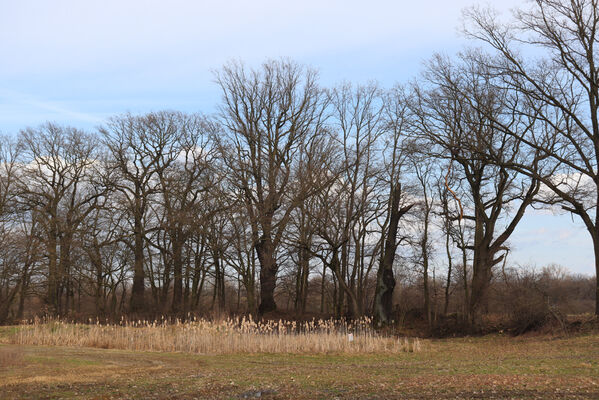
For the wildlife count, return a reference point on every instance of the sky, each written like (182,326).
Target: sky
(79,62)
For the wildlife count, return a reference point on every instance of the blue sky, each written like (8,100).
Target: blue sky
(78,62)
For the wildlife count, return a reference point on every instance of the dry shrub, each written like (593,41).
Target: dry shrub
(10,356)
(528,316)
(234,335)
(527,303)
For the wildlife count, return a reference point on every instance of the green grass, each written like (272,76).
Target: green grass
(487,367)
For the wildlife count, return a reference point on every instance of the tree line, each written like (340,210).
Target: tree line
(293,187)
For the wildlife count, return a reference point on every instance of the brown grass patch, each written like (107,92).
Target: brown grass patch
(10,356)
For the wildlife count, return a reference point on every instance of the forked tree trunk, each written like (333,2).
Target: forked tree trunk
(385,280)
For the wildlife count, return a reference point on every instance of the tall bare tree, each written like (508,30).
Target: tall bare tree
(184,184)
(140,148)
(453,117)
(560,90)
(396,115)
(58,184)
(270,115)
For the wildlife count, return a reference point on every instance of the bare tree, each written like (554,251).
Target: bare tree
(14,267)
(396,113)
(184,184)
(140,148)
(58,184)
(270,114)
(560,91)
(423,171)
(346,210)
(463,133)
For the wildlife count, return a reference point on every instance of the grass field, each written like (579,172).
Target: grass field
(487,367)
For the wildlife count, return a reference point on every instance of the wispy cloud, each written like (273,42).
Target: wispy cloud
(60,111)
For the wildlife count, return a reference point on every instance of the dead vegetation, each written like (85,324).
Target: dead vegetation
(228,336)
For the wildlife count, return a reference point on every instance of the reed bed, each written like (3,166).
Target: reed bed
(232,335)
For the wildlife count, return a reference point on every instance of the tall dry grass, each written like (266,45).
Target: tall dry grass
(233,335)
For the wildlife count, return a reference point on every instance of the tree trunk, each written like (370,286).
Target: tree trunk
(481,272)
(385,280)
(250,291)
(322,287)
(427,300)
(354,308)
(53,277)
(481,276)
(177,304)
(449,268)
(268,275)
(595,237)
(137,291)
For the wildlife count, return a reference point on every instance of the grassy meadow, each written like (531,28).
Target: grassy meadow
(497,366)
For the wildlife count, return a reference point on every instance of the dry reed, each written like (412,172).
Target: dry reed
(233,335)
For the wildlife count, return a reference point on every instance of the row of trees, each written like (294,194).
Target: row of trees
(292,179)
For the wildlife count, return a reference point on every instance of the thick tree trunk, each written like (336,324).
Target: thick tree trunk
(99,291)
(449,270)
(268,275)
(137,304)
(425,265)
(24,287)
(385,285)
(465,279)
(596,252)
(53,276)
(322,288)
(383,300)
(177,247)
(65,271)
(481,268)
(481,278)
(186,289)
(426,291)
